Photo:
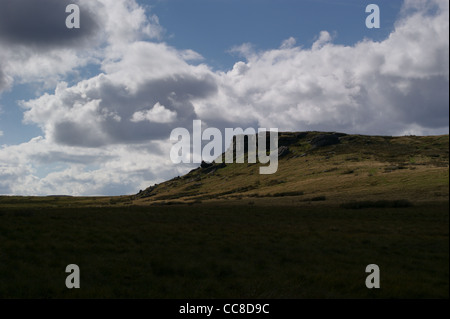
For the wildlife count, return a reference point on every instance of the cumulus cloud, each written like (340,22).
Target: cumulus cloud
(38,47)
(288,43)
(41,24)
(370,87)
(323,39)
(246,49)
(112,170)
(158,114)
(108,134)
(386,87)
(3,81)
(109,108)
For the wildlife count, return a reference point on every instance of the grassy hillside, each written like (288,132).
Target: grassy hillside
(354,168)
(307,231)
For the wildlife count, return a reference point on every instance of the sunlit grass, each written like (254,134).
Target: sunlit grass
(368,167)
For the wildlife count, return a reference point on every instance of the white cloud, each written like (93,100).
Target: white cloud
(246,50)
(386,87)
(97,111)
(108,134)
(109,108)
(115,24)
(288,43)
(323,39)
(125,21)
(158,114)
(5,80)
(112,170)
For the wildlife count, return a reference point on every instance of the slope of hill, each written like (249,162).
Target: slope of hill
(316,167)
(240,234)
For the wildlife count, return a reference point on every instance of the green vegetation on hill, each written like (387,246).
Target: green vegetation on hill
(353,167)
(337,204)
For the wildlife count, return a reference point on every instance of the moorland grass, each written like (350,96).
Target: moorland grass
(224,251)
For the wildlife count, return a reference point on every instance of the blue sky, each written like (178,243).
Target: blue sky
(213,27)
(89,111)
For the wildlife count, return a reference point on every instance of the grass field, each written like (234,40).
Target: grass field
(225,231)
(221,250)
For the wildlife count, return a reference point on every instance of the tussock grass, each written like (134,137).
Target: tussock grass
(318,198)
(282,194)
(229,251)
(400,203)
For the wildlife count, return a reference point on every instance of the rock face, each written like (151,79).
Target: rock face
(147,192)
(287,139)
(301,135)
(283,151)
(211,167)
(206,165)
(325,140)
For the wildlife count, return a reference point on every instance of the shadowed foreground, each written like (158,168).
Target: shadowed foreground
(213,251)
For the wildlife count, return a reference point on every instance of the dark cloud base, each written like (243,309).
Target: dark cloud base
(42,24)
(175,93)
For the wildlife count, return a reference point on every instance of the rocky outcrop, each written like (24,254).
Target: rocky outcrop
(211,167)
(287,141)
(206,165)
(325,140)
(283,151)
(147,192)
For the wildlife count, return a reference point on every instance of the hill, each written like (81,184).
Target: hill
(316,167)
(239,234)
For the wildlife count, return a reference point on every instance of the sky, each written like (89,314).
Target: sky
(89,111)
